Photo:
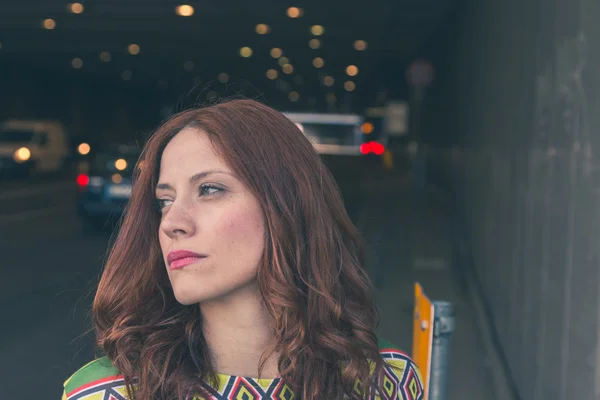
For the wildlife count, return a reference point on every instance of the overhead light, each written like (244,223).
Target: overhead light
(83,149)
(77,63)
(318,62)
(360,45)
(293,96)
(262,29)
(276,52)
(246,52)
(314,44)
(272,74)
(328,81)
(127,75)
(116,178)
(49,23)
(283,60)
(188,66)
(317,30)
(349,86)
(223,77)
(75,8)
(352,70)
(120,164)
(294,12)
(133,49)
(105,56)
(184,10)
(287,69)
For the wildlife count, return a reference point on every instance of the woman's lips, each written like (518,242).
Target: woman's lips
(182,258)
(184,262)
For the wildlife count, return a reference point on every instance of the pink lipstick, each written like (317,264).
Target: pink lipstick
(181,258)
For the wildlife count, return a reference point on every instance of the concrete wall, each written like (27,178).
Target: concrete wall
(528,83)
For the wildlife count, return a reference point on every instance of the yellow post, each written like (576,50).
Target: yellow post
(423,336)
(388,159)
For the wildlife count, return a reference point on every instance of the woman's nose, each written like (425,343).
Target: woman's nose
(177,221)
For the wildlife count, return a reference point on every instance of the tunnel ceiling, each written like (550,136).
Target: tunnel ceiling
(178,53)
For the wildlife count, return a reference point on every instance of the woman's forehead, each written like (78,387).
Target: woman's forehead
(190,152)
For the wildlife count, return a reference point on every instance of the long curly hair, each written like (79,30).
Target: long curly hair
(311,277)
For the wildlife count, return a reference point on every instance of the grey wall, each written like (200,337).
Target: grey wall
(528,86)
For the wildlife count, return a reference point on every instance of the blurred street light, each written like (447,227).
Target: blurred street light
(294,12)
(49,24)
(276,52)
(120,164)
(77,63)
(272,74)
(184,10)
(294,96)
(360,45)
(105,56)
(75,8)
(246,52)
(262,29)
(223,77)
(133,49)
(317,30)
(349,86)
(83,149)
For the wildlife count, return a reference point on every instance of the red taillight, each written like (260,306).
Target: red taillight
(83,179)
(365,148)
(377,148)
(372,147)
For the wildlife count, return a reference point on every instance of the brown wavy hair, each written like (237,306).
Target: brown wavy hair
(312,276)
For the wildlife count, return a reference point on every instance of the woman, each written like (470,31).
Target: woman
(237,274)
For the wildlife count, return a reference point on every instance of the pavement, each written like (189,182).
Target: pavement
(408,240)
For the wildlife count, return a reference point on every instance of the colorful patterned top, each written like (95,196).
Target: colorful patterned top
(100,380)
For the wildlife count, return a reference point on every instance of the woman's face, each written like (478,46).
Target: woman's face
(212,227)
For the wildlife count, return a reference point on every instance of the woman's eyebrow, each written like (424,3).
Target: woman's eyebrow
(194,178)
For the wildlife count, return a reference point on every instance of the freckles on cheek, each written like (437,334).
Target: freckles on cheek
(239,230)
(230,228)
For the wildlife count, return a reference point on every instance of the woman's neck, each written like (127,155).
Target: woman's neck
(238,330)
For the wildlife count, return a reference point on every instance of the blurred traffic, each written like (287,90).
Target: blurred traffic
(41,164)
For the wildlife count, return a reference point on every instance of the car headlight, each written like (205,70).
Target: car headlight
(21,155)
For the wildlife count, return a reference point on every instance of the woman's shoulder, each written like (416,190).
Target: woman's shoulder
(96,377)
(402,378)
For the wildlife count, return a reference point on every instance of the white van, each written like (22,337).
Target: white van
(334,134)
(33,146)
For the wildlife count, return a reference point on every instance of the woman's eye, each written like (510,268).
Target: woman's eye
(162,203)
(207,190)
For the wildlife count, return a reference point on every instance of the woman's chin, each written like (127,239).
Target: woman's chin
(186,298)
